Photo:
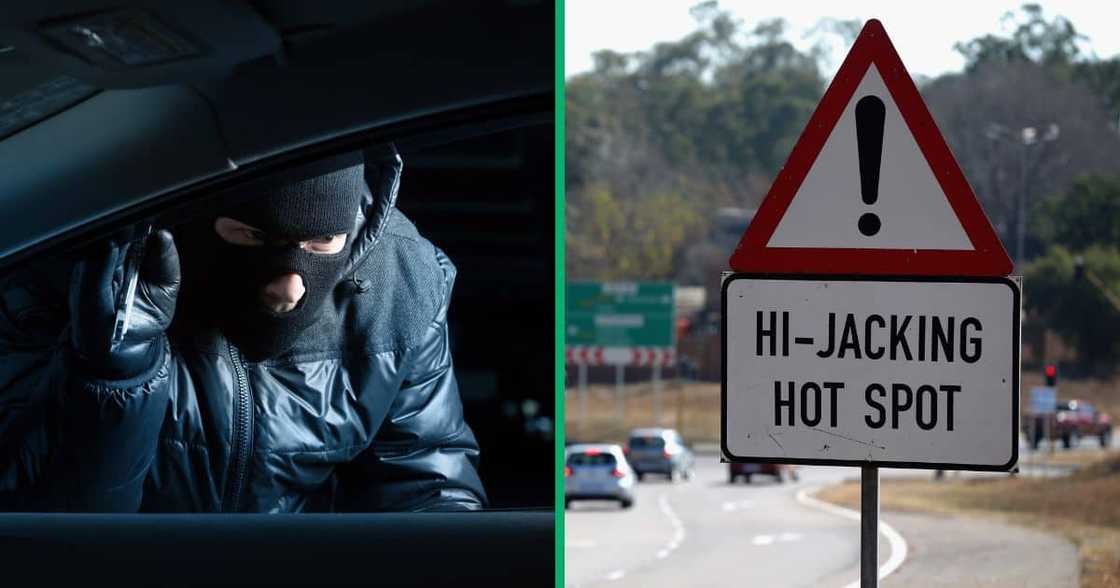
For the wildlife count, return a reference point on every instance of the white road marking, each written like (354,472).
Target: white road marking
(581,543)
(897,543)
(678,536)
(674,520)
(737,505)
(771,539)
(762,539)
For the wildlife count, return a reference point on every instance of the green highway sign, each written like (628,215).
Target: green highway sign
(620,314)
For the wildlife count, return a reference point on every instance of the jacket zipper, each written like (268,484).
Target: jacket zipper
(242,434)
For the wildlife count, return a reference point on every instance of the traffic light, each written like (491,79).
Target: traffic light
(1051,372)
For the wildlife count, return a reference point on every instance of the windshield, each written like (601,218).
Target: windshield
(647,442)
(591,459)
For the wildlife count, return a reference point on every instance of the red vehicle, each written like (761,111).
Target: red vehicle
(1077,418)
(779,471)
(1071,420)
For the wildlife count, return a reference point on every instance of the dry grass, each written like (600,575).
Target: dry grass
(1084,507)
(693,408)
(690,407)
(1062,457)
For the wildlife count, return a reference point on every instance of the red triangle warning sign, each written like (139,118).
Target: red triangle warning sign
(871,186)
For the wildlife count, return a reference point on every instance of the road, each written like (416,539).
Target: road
(705,532)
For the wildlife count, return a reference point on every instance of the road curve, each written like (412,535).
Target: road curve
(706,532)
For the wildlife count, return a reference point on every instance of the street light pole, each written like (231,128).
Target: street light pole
(1021,217)
(1026,137)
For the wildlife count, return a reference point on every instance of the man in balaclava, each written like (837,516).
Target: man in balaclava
(309,368)
(281,256)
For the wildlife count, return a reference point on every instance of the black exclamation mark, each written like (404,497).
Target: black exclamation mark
(870,113)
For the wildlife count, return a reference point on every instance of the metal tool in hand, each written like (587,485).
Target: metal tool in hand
(127,295)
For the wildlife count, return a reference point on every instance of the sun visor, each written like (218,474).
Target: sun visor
(146,44)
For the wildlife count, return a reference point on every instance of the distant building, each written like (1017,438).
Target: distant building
(704,261)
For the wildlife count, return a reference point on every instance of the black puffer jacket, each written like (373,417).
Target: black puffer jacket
(363,415)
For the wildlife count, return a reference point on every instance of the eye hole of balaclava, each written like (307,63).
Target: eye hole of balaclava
(288,214)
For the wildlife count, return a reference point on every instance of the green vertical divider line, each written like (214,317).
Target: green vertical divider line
(559,307)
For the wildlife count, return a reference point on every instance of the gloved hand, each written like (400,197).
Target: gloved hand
(94,288)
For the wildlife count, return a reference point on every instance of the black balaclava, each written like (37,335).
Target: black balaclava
(319,206)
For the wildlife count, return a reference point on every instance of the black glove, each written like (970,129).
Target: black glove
(95,284)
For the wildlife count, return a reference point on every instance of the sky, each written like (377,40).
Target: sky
(924,37)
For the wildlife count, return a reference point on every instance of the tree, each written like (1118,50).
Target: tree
(687,126)
(1075,308)
(1103,77)
(1088,215)
(608,237)
(1051,43)
(985,114)
(1056,45)
(703,123)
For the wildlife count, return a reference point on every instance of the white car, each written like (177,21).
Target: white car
(598,471)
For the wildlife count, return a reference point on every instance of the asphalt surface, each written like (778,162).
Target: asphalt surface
(706,532)
(960,552)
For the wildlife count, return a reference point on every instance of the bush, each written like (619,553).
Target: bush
(1068,301)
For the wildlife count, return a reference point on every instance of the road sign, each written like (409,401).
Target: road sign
(624,318)
(895,372)
(632,356)
(620,324)
(871,187)
(1044,400)
(841,346)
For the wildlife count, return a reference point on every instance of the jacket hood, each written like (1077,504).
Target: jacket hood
(383,167)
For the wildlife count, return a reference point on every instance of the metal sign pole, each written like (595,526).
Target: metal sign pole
(582,385)
(657,394)
(618,378)
(1050,434)
(869,527)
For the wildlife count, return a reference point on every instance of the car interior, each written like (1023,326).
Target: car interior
(236,91)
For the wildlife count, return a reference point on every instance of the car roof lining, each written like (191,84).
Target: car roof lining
(197,199)
(123,152)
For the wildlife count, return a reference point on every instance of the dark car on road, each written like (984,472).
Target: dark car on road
(781,472)
(1070,421)
(659,451)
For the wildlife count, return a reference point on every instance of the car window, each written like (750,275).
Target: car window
(591,459)
(509,407)
(646,442)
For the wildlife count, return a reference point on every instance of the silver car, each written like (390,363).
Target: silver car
(597,472)
(658,450)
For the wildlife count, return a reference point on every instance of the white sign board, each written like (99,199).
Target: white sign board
(912,207)
(891,372)
(1044,400)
